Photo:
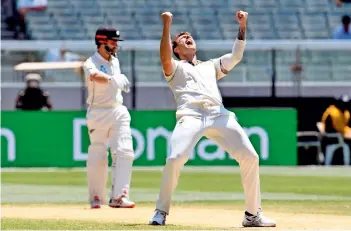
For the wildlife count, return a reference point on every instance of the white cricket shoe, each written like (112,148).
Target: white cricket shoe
(95,203)
(159,218)
(122,202)
(257,221)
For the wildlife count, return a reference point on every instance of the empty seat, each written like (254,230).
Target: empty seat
(340,57)
(237,75)
(286,21)
(265,5)
(151,32)
(62,4)
(90,12)
(342,72)
(44,35)
(240,5)
(72,34)
(259,73)
(320,57)
(208,34)
(293,6)
(176,28)
(314,25)
(185,4)
(318,6)
(85,3)
(285,57)
(317,73)
(38,17)
(228,31)
(284,73)
(257,57)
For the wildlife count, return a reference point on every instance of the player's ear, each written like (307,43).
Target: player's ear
(176,52)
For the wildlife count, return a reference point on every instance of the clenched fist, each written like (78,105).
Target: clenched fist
(241,17)
(167,18)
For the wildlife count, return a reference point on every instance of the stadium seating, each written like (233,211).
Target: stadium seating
(140,19)
(205,19)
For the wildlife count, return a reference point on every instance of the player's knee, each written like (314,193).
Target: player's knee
(251,156)
(123,148)
(248,156)
(96,153)
(177,160)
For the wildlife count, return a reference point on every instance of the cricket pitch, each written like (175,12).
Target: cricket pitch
(180,216)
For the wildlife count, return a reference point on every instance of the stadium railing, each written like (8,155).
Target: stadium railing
(265,63)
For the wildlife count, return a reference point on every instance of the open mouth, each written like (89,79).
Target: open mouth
(189,42)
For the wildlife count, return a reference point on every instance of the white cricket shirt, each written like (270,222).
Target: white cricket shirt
(194,85)
(102,95)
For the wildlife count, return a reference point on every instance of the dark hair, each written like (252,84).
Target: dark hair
(345,20)
(174,42)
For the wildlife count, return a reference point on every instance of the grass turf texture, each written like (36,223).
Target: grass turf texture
(12,224)
(197,181)
(300,193)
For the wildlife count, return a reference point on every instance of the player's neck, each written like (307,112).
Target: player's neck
(190,58)
(105,55)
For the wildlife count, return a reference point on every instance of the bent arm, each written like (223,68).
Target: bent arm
(93,74)
(19,103)
(325,115)
(47,101)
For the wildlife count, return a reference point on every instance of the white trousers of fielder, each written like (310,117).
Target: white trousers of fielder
(111,125)
(230,136)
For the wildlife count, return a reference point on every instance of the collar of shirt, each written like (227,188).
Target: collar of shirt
(97,54)
(197,62)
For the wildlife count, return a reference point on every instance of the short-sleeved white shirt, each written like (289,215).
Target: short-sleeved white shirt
(102,95)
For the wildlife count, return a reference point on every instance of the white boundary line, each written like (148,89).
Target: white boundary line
(332,171)
(162,84)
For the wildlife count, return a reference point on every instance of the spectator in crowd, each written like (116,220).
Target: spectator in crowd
(62,54)
(341,2)
(343,31)
(33,97)
(25,6)
(336,118)
(13,19)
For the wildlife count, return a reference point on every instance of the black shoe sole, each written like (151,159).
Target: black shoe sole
(156,224)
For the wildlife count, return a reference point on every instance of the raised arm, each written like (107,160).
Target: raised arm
(228,61)
(166,44)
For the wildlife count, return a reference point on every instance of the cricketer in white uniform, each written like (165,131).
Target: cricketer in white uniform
(200,112)
(108,122)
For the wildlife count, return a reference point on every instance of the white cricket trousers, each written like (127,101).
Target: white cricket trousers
(109,126)
(230,136)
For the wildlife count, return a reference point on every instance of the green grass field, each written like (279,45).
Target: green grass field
(206,198)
